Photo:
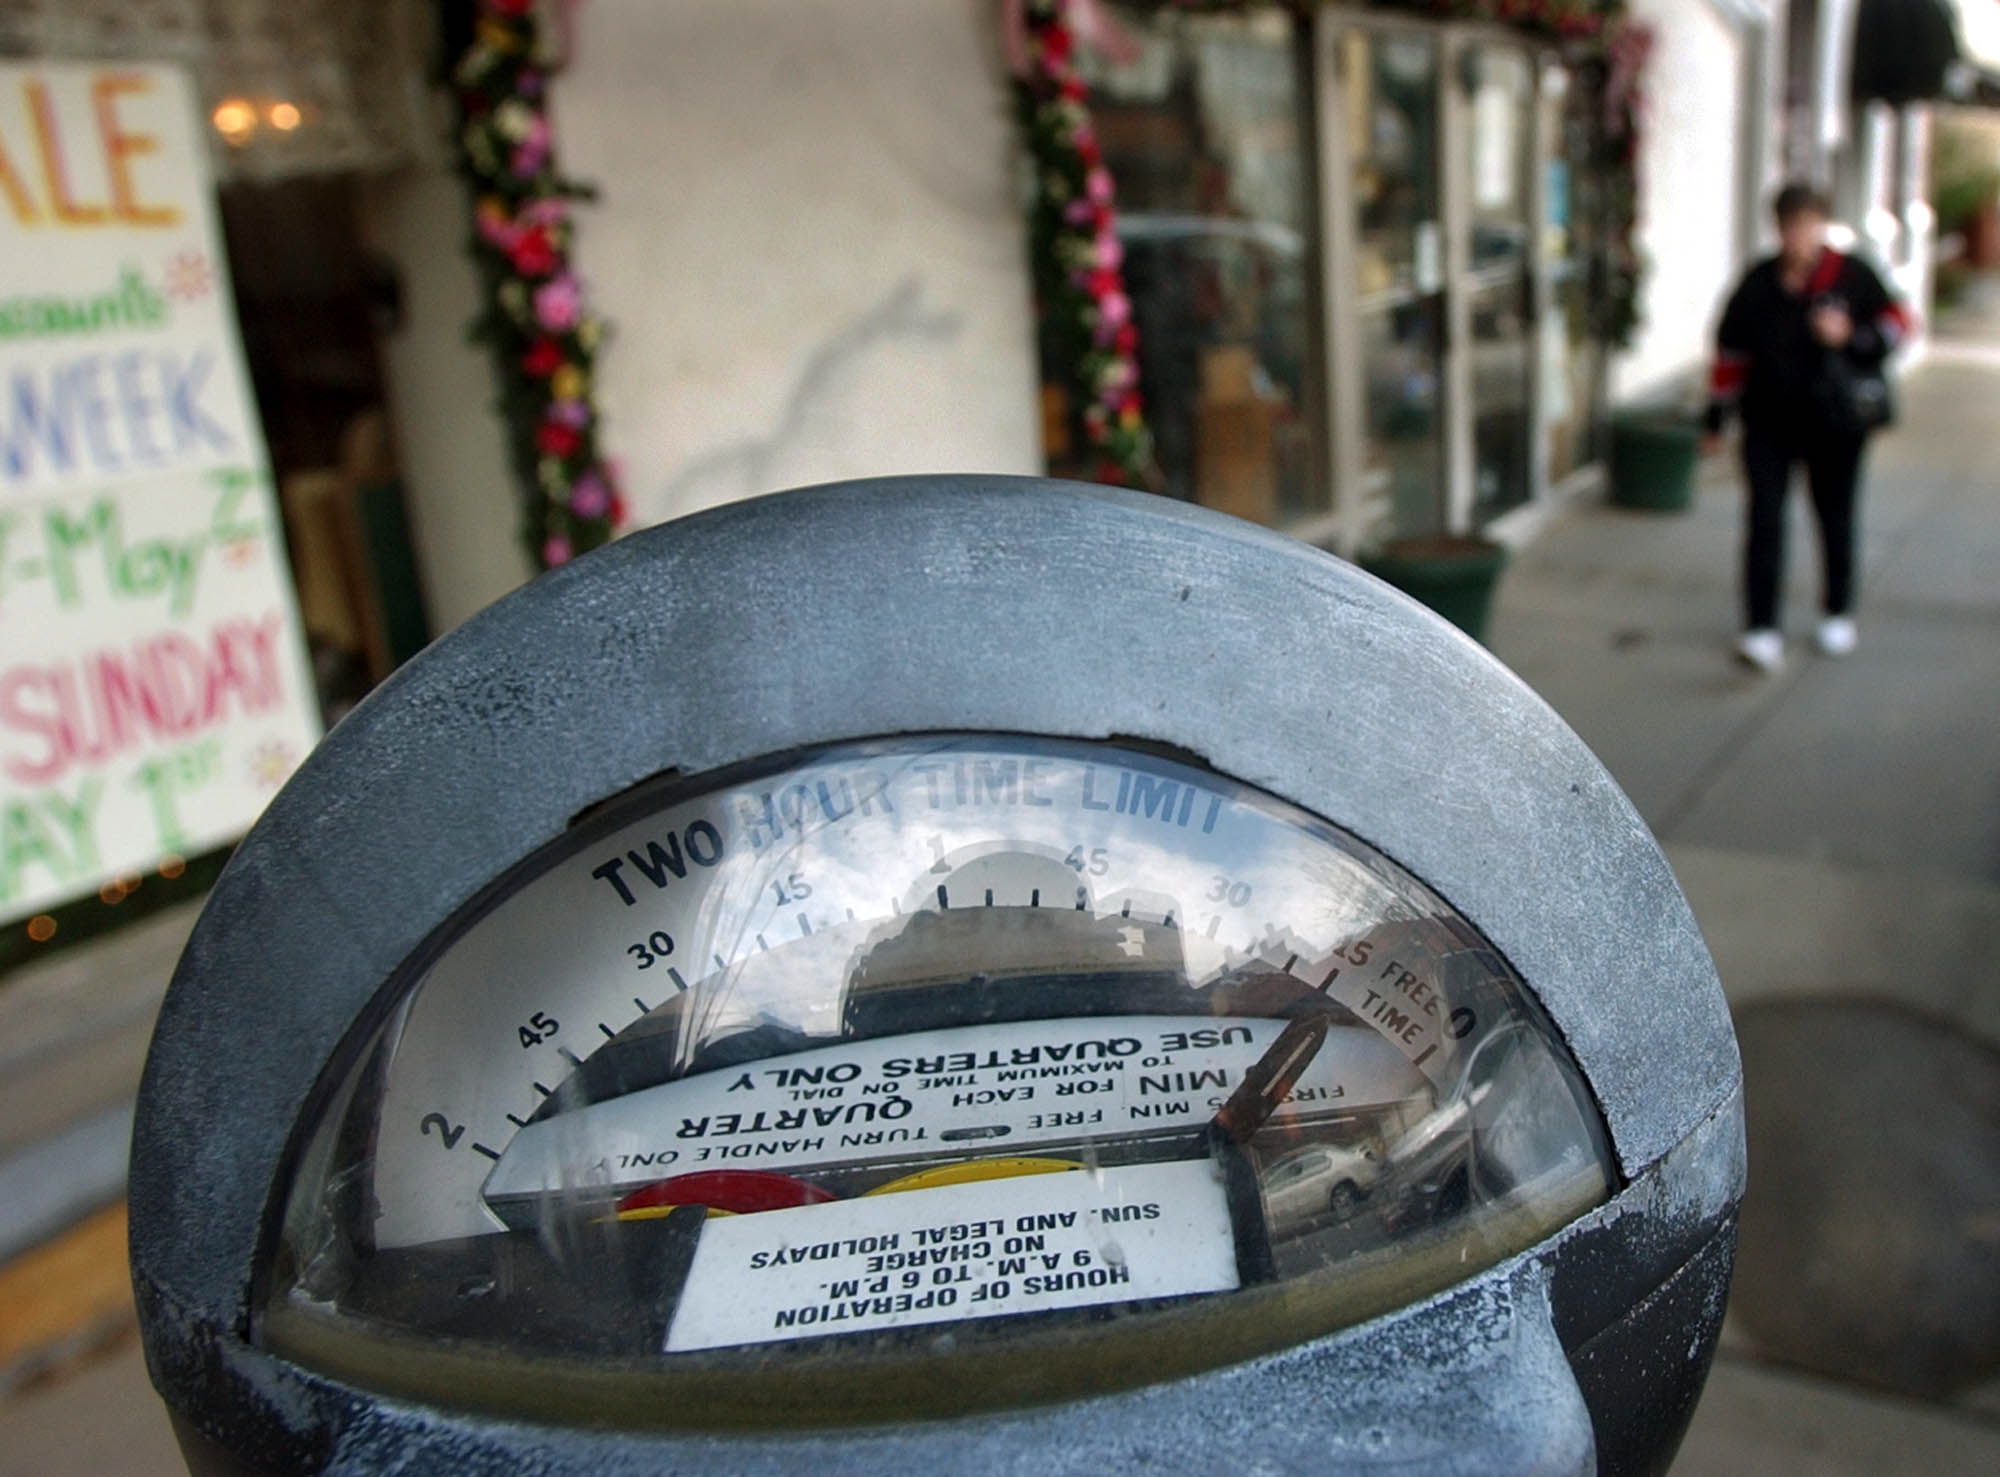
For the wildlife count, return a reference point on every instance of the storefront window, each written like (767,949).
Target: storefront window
(1391,109)
(1363,258)
(1572,233)
(1501,91)
(1203,123)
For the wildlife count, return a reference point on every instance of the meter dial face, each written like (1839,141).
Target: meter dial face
(1070,1062)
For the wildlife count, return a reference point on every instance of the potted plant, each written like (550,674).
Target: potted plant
(1455,574)
(1654,452)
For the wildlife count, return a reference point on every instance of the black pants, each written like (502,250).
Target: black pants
(1833,472)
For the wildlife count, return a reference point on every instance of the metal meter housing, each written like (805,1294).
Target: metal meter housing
(876,613)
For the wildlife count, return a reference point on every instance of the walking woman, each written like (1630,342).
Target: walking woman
(1800,354)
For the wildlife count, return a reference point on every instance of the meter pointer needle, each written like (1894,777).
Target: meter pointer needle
(1237,1121)
(1270,1077)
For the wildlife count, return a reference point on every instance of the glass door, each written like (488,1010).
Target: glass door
(1386,87)
(1573,208)
(1500,157)
(1204,121)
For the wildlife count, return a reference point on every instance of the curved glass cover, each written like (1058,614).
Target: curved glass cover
(914,1076)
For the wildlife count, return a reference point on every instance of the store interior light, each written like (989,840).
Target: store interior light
(284,116)
(235,119)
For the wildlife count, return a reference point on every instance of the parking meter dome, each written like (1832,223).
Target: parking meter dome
(840,977)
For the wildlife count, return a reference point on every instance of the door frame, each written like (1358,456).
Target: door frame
(1343,460)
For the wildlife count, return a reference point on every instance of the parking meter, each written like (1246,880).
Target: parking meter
(954,973)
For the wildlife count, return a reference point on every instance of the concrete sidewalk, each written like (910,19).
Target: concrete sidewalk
(1836,827)
(74,1397)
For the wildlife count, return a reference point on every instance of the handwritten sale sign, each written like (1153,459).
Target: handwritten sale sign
(154,689)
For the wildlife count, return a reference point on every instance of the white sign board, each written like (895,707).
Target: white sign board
(985,1250)
(154,689)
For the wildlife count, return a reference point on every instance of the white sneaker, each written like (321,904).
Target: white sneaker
(1762,648)
(1835,635)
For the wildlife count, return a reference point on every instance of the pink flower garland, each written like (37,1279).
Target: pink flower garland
(1082,286)
(544,337)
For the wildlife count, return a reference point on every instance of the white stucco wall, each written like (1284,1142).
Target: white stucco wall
(459,485)
(1688,192)
(807,243)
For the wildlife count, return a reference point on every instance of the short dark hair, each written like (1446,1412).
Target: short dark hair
(1797,199)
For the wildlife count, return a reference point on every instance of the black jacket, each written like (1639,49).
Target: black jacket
(1767,360)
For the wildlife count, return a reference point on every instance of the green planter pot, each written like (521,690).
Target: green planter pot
(1653,459)
(1454,576)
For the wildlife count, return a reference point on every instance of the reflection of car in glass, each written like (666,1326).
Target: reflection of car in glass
(1309,1181)
(1482,1137)
(1428,1164)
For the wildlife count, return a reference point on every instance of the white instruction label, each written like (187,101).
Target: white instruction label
(985,1250)
(1003,1088)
